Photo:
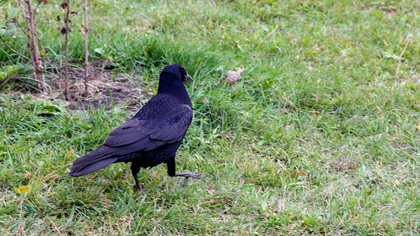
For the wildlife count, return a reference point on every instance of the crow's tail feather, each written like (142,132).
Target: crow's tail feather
(92,162)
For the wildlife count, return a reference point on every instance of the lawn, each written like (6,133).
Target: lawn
(315,138)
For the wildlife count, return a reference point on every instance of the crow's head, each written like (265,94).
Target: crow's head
(175,72)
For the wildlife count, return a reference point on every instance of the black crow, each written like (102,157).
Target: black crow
(152,136)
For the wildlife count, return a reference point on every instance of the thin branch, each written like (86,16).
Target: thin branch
(66,64)
(7,45)
(86,50)
(17,23)
(32,31)
(39,69)
(26,32)
(36,8)
(60,74)
(43,49)
(399,60)
(34,13)
(23,31)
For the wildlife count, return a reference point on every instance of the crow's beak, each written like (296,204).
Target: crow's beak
(187,78)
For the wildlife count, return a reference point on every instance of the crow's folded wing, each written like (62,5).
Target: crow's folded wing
(168,126)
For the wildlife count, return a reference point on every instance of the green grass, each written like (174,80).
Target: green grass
(316,138)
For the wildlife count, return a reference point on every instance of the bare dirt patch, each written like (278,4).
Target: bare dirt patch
(342,166)
(105,88)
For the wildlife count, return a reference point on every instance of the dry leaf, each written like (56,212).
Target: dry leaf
(69,154)
(27,176)
(232,76)
(206,100)
(64,5)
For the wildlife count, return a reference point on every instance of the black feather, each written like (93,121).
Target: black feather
(152,136)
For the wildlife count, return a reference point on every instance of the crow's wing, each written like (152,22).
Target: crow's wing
(167,125)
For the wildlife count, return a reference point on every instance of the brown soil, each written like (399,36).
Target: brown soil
(102,84)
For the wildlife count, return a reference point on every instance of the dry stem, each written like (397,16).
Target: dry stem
(60,73)
(66,43)
(31,41)
(28,40)
(21,28)
(39,68)
(11,49)
(86,49)
(399,60)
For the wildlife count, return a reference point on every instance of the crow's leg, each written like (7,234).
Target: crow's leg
(135,167)
(171,172)
(187,175)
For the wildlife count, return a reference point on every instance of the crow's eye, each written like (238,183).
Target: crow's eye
(182,71)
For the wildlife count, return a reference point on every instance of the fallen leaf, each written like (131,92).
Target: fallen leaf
(69,154)
(232,76)
(24,189)
(27,176)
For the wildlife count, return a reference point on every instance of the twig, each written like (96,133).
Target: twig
(39,69)
(399,60)
(36,9)
(7,45)
(66,67)
(26,32)
(23,31)
(86,50)
(43,49)
(60,73)
(36,35)
(30,34)
(17,23)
